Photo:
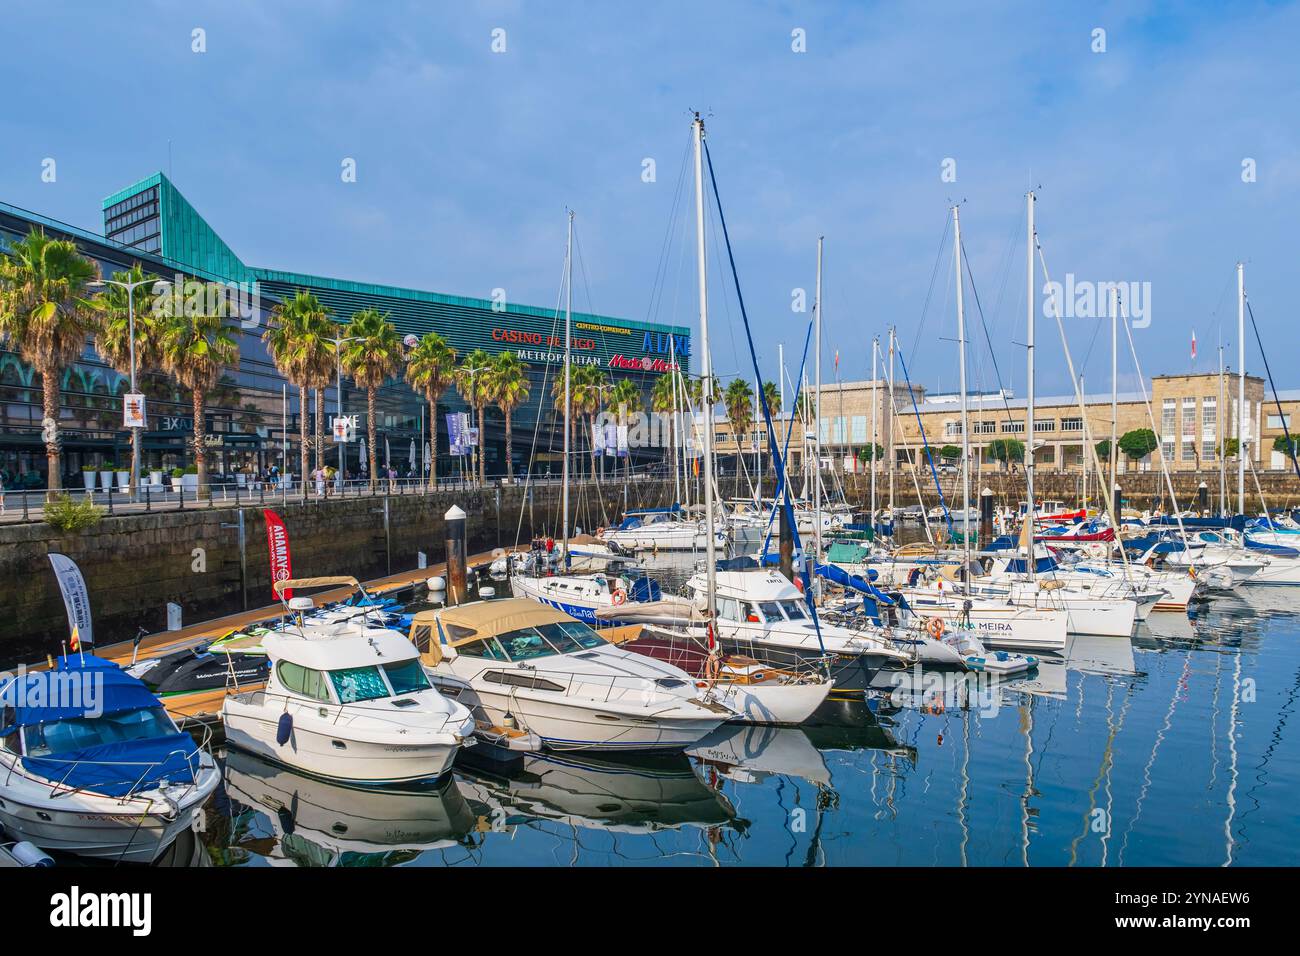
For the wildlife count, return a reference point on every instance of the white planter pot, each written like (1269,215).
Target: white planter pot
(241,479)
(191,482)
(89,478)
(124,480)
(106,480)
(155,478)
(176,484)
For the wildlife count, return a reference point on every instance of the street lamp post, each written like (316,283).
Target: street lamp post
(130,288)
(338,403)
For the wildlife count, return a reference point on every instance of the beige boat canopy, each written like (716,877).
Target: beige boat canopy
(473,622)
(334,582)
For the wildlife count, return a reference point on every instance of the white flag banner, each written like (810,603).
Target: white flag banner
(622,441)
(76,599)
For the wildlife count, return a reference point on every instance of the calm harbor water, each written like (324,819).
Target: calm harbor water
(1172,748)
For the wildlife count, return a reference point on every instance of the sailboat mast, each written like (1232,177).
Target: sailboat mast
(817,420)
(1222,416)
(568,338)
(892,460)
(961,364)
(706,370)
(1114,393)
(673,427)
(875,408)
(1029,410)
(1241,389)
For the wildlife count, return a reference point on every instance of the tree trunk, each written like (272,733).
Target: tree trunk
(320,428)
(510,450)
(200,450)
(304,397)
(370,427)
(53,445)
(482,449)
(433,443)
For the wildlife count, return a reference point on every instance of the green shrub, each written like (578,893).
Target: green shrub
(65,513)
(177,472)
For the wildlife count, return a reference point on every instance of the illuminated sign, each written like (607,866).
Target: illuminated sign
(666,343)
(643,364)
(519,337)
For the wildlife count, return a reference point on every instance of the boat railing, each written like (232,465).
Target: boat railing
(193,760)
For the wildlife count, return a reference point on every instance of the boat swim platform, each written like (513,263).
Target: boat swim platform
(205,707)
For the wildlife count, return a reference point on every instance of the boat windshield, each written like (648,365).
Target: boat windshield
(794,610)
(354,684)
(562,637)
(80,733)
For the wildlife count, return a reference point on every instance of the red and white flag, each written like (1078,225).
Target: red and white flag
(277,545)
(1193,345)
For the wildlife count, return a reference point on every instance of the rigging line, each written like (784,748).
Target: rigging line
(929,457)
(1290,445)
(767,411)
(934,273)
(984,325)
(660,280)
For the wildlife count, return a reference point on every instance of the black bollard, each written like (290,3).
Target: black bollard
(456,591)
(1203,497)
(986,516)
(786,542)
(1118,505)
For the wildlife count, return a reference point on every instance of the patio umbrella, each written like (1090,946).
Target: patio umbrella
(410,457)
(365,461)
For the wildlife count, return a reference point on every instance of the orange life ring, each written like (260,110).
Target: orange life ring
(934,627)
(619,596)
(600,532)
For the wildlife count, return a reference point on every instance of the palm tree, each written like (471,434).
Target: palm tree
(739,402)
(195,348)
(113,337)
(299,336)
(627,398)
(588,386)
(510,387)
(664,402)
(557,397)
(372,354)
(46,313)
(474,382)
(772,392)
(431,368)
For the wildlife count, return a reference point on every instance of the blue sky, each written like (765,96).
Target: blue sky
(466,158)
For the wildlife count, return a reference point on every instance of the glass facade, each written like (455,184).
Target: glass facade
(252,416)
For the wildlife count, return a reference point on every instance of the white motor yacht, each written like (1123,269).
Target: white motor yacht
(347,702)
(661,529)
(529,665)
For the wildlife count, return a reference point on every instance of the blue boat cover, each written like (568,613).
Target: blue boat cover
(837,575)
(70,690)
(90,687)
(1277,550)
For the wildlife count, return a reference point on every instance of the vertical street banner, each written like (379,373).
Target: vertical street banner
(76,599)
(277,545)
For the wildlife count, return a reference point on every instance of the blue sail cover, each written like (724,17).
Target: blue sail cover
(837,575)
(86,689)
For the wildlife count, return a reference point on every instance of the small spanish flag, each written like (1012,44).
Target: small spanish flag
(75,643)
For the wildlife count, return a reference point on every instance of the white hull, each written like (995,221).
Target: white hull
(314,746)
(136,829)
(586,726)
(997,625)
(1279,572)
(673,539)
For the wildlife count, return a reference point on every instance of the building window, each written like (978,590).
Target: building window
(1279,421)
(1189,416)
(1167,449)
(1045,425)
(1189,449)
(1169,416)
(1207,449)
(985,428)
(1071,424)
(1209,415)
(859,424)
(952,429)
(1014,427)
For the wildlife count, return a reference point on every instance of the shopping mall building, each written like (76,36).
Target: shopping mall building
(151,223)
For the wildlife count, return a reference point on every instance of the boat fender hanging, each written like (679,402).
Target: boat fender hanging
(284,728)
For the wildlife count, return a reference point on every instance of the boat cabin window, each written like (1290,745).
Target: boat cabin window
(488,647)
(794,610)
(406,677)
(303,680)
(770,610)
(728,609)
(79,733)
(354,684)
(545,640)
(422,637)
